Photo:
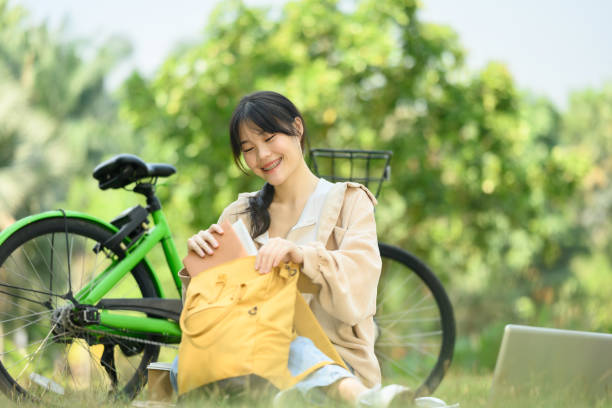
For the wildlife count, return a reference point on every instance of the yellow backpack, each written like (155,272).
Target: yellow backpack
(236,321)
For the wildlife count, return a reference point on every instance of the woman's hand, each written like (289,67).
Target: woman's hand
(203,242)
(277,251)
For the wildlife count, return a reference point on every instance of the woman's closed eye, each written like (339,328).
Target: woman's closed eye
(269,138)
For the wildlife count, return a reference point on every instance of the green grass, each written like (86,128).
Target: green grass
(473,389)
(469,389)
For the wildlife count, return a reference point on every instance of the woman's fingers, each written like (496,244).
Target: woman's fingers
(193,246)
(280,254)
(199,246)
(204,241)
(279,258)
(263,257)
(272,254)
(208,237)
(204,245)
(216,228)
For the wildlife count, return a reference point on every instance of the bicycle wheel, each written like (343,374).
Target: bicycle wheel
(41,357)
(416,324)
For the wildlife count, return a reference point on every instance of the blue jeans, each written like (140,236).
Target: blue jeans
(303,354)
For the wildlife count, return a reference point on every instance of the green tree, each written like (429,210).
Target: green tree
(480,178)
(587,128)
(56,118)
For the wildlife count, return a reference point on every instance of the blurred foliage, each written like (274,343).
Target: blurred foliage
(56,118)
(481,185)
(587,127)
(504,196)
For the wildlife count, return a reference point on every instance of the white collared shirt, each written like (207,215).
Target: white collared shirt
(310,217)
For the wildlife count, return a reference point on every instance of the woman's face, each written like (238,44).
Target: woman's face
(271,156)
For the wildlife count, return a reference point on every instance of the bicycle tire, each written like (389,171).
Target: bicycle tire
(416,339)
(67,361)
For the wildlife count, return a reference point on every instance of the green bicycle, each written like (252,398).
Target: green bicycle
(83,312)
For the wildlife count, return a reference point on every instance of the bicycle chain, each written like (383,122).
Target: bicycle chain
(135,339)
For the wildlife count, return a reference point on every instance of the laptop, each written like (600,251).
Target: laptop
(552,366)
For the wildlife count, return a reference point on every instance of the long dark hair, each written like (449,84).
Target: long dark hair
(272,113)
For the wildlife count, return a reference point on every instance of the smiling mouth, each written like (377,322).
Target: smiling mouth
(273,165)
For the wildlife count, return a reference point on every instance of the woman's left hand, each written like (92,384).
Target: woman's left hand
(277,251)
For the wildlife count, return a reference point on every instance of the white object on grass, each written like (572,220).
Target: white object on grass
(47,383)
(432,402)
(378,397)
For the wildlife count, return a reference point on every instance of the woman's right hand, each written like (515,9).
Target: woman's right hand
(203,242)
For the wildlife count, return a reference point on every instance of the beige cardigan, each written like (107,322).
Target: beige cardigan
(345,263)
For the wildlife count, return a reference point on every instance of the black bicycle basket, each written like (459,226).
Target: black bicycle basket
(361,166)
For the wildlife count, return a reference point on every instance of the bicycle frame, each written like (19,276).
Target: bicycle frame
(100,286)
(95,290)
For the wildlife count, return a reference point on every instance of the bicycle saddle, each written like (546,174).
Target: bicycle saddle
(125,169)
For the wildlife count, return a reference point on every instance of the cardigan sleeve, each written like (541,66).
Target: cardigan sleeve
(348,275)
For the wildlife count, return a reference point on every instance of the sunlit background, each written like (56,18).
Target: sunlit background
(499,115)
(551,47)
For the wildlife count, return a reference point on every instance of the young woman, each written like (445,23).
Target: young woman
(327,228)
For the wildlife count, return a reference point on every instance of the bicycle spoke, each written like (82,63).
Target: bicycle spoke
(18,305)
(6,285)
(25,347)
(419,335)
(403,315)
(12,272)
(93,361)
(387,293)
(57,255)
(69,260)
(406,321)
(396,365)
(66,366)
(424,298)
(414,319)
(416,346)
(25,252)
(30,322)
(37,351)
(83,264)
(40,264)
(24,298)
(44,258)
(23,316)
(98,261)
(410,307)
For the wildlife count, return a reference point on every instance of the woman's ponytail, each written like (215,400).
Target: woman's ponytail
(258,210)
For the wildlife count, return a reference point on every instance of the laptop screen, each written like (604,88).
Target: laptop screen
(536,363)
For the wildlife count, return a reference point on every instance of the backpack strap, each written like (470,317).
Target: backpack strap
(306,325)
